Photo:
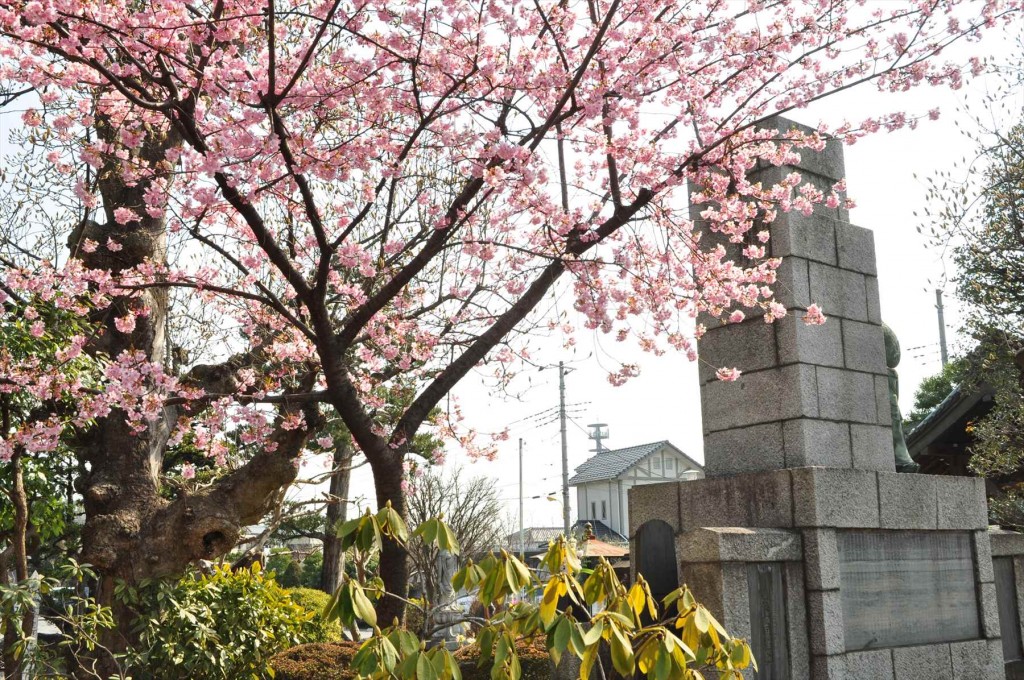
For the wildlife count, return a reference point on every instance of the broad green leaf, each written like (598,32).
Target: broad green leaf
(622,652)
(361,605)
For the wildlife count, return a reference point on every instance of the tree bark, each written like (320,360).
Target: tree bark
(14,664)
(131,532)
(394,562)
(337,513)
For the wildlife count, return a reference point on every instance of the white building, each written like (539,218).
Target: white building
(603,481)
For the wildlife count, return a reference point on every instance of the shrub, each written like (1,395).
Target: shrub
(533,658)
(318,661)
(222,626)
(318,629)
(414,619)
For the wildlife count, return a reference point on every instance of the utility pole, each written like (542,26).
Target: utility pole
(942,329)
(522,544)
(565,449)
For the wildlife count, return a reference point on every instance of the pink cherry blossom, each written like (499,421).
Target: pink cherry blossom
(727,374)
(814,316)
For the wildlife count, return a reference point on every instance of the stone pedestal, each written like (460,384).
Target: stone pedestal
(798,520)
(803,538)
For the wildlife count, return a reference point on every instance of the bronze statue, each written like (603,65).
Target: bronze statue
(904,463)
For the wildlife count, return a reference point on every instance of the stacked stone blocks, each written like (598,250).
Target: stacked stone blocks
(801,473)
(808,396)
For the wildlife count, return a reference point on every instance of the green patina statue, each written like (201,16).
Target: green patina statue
(904,463)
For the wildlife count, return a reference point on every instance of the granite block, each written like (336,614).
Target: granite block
(839,292)
(735,599)
(827,497)
(982,557)
(1006,542)
(872,447)
(907,501)
(989,609)
(796,341)
(863,347)
(812,237)
(748,346)
(744,449)
(825,622)
(875,664)
(811,442)
(796,617)
(963,503)
(828,667)
(874,303)
(653,501)
(827,163)
(971,660)
(705,582)
(739,544)
(1018,575)
(884,410)
(755,500)
(761,397)
(928,662)
(856,248)
(821,559)
(846,395)
(792,283)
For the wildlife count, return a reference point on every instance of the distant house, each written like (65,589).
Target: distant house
(536,539)
(941,442)
(603,481)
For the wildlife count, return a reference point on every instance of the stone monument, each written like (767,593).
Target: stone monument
(803,538)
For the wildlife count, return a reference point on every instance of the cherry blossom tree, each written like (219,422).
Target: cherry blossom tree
(366,199)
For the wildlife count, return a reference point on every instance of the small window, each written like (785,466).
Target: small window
(604,510)
(669,463)
(657,463)
(593,509)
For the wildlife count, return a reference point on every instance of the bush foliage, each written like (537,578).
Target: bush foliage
(222,626)
(315,602)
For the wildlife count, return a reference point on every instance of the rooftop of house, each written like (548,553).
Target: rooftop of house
(610,464)
(537,538)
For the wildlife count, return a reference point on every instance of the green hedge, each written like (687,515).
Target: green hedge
(533,658)
(315,602)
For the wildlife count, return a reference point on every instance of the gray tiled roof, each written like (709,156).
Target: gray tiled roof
(536,538)
(611,464)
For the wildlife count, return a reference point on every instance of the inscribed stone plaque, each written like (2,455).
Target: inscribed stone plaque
(907,588)
(766,590)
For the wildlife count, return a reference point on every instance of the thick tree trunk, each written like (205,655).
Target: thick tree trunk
(131,532)
(394,561)
(337,513)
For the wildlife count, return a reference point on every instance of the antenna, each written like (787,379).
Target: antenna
(598,432)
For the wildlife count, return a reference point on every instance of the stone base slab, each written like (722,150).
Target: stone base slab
(815,497)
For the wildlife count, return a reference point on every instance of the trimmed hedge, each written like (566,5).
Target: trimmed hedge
(316,661)
(533,659)
(315,601)
(330,661)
